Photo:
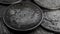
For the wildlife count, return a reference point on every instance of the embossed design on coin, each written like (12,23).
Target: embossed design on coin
(24,16)
(52,20)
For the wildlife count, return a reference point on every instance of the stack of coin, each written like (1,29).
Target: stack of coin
(52,16)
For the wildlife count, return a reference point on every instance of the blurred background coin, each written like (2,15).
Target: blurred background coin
(50,4)
(23,16)
(52,20)
(10,1)
(3,28)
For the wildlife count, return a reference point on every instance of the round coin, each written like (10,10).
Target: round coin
(52,20)
(50,4)
(23,16)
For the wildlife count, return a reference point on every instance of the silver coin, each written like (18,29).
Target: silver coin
(50,4)
(52,20)
(23,17)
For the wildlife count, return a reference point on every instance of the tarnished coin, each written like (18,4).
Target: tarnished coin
(23,16)
(52,20)
(50,4)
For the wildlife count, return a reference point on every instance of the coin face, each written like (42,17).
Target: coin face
(23,16)
(52,20)
(10,1)
(50,4)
